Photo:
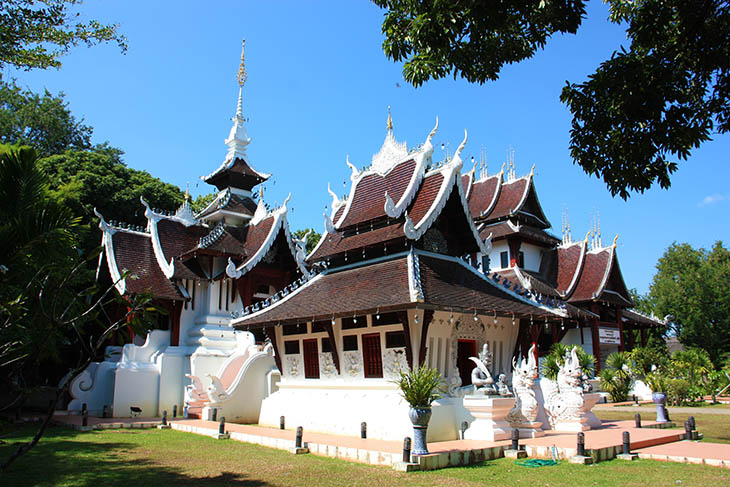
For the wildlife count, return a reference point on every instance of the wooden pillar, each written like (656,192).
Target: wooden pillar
(596,342)
(631,339)
(514,251)
(643,337)
(620,328)
(333,344)
(403,317)
(175,312)
(427,318)
(271,333)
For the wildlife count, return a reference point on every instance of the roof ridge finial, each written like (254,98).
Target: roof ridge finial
(187,191)
(242,76)
(389,124)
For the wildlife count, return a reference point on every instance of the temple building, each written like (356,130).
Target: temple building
(200,268)
(584,274)
(395,288)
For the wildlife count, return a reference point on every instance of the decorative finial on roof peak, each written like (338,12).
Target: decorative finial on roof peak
(532,171)
(390,121)
(187,191)
(242,76)
(588,235)
(615,239)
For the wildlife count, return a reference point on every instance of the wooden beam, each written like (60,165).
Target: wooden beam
(427,318)
(403,317)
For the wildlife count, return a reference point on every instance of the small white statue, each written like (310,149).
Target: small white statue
(502,386)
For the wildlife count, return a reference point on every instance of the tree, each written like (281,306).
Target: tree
(641,111)
(691,285)
(312,238)
(36,33)
(42,122)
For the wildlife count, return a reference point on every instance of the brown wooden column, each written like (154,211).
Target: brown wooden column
(643,337)
(403,317)
(175,312)
(427,318)
(596,342)
(271,333)
(620,328)
(333,345)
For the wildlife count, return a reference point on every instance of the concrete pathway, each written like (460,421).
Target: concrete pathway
(715,454)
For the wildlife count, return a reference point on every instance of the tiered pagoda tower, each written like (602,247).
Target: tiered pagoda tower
(205,267)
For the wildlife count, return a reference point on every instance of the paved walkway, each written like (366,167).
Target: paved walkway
(715,454)
(603,443)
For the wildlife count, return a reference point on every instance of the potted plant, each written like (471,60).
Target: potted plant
(657,382)
(419,387)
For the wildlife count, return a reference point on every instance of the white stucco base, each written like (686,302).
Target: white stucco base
(341,408)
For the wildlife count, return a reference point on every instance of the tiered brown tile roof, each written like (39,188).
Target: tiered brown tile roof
(368,202)
(482,195)
(338,243)
(590,283)
(570,263)
(446,283)
(509,198)
(133,252)
(236,204)
(426,196)
(503,229)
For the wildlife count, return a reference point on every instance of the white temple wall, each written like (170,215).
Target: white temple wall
(338,403)
(494,255)
(532,255)
(137,387)
(174,364)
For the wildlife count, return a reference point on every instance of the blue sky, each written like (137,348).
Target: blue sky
(318,89)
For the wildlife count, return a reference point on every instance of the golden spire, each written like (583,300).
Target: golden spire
(390,121)
(242,69)
(187,191)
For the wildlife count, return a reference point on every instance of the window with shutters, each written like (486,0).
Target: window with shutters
(371,357)
(311,359)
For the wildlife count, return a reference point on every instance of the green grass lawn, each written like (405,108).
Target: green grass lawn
(715,427)
(136,458)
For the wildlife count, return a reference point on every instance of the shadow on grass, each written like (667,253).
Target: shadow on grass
(61,458)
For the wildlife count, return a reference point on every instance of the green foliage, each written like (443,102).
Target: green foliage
(419,387)
(97,178)
(202,201)
(312,239)
(687,377)
(35,34)
(691,285)
(556,358)
(640,112)
(617,379)
(646,358)
(42,122)
(472,39)
(649,105)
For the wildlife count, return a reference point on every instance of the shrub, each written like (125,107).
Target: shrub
(556,358)
(617,379)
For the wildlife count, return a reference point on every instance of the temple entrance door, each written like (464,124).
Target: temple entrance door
(466,349)
(311,359)
(371,358)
